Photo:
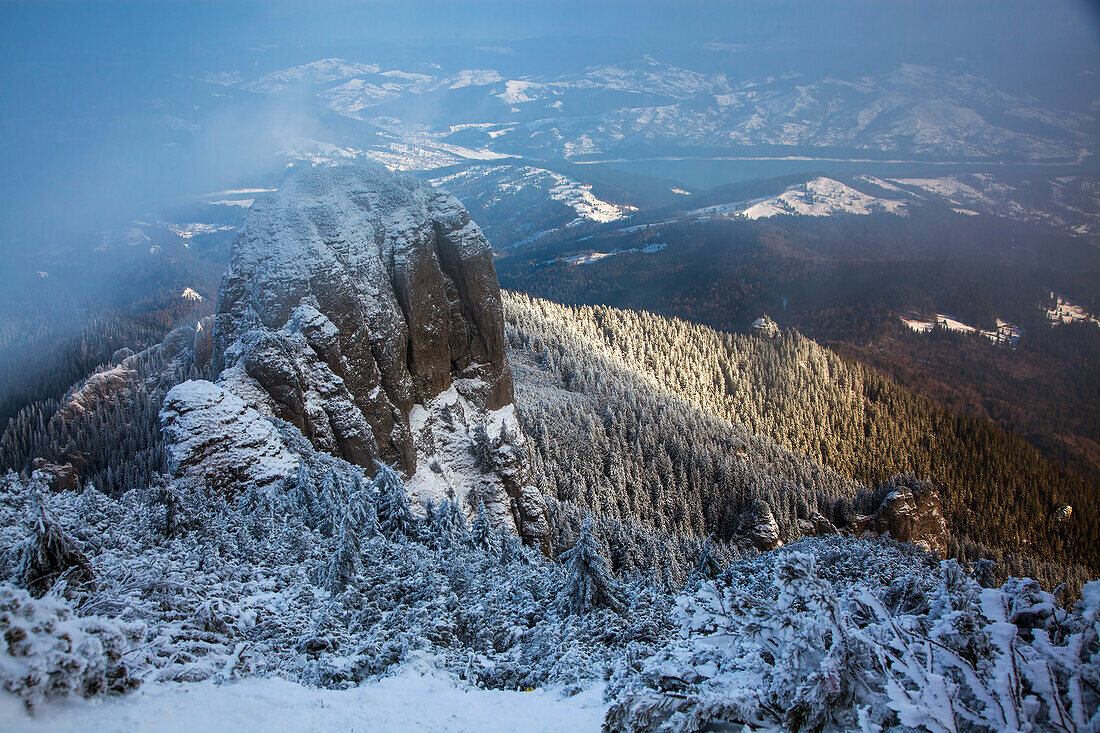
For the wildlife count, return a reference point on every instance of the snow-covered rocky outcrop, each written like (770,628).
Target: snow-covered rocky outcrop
(757,527)
(217,441)
(362,307)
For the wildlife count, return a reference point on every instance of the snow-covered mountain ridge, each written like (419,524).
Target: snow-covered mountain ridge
(1068,203)
(614,110)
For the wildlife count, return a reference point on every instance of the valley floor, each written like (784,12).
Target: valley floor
(416,698)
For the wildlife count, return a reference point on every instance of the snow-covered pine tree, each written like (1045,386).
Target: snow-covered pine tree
(166,502)
(359,522)
(395,518)
(512,550)
(330,503)
(482,448)
(345,561)
(450,527)
(361,503)
(483,534)
(431,516)
(49,555)
(589,583)
(707,565)
(370,527)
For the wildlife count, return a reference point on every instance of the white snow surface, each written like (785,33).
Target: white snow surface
(819,197)
(513,180)
(473,77)
(416,698)
(588,258)
(444,431)
(518,91)
(1005,331)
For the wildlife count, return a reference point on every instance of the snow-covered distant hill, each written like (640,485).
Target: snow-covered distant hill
(1068,203)
(913,111)
(503,141)
(818,197)
(613,110)
(515,203)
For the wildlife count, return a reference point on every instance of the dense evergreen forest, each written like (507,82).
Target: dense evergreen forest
(997,490)
(845,282)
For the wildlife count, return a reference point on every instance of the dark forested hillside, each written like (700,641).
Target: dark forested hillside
(996,488)
(53,334)
(848,281)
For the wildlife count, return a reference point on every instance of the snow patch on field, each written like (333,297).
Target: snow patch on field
(1005,332)
(518,92)
(416,698)
(473,77)
(819,197)
(589,257)
(880,182)
(949,187)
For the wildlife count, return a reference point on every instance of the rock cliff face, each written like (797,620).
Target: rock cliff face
(362,308)
(909,514)
(355,285)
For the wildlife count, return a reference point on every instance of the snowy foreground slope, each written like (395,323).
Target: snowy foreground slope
(827,633)
(417,698)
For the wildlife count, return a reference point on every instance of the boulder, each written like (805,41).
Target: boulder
(816,526)
(121,355)
(757,527)
(910,513)
(217,442)
(57,477)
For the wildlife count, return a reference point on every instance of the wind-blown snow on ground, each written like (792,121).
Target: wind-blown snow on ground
(417,698)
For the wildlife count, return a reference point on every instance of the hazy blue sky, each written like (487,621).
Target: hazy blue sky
(89,89)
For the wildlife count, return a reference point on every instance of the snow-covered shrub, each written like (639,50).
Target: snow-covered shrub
(50,652)
(993,659)
(818,653)
(264,584)
(50,555)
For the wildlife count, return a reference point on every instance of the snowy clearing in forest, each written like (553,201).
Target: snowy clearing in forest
(590,257)
(416,698)
(1067,312)
(1005,330)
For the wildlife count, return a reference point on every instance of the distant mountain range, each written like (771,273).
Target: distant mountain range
(648,107)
